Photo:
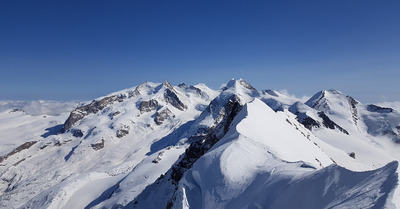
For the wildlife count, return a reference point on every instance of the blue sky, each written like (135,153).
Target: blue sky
(80,50)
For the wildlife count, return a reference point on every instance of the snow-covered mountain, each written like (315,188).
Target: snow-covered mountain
(187,146)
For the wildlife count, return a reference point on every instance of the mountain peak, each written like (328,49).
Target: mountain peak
(234,83)
(167,85)
(320,99)
(332,91)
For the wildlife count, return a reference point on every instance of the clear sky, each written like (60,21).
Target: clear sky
(80,50)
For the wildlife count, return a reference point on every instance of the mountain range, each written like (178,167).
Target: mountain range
(157,145)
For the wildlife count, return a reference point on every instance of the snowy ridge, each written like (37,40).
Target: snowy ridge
(244,160)
(157,145)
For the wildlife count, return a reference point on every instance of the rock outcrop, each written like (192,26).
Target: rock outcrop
(328,123)
(98,146)
(147,106)
(92,108)
(23,146)
(123,131)
(162,115)
(378,109)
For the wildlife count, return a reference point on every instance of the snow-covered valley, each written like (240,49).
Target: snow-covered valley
(156,145)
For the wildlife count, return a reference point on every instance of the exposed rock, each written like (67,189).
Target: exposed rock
(147,106)
(353,108)
(112,115)
(202,143)
(134,92)
(378,109)
(302,116)
(195,89)
(98,146)
(169,86)
(328,123)
(45,145)
(23,146)
(15,164)
(162,115)
(310,123)
(14,110)
(220,114)
(158,158)
(94,107)
(318,101)
(270,92)
(352,154)
(123,131)
(57,143)
(138,90)
(246,85)
(77,133)
(182,85)
(273,104)
(173,99)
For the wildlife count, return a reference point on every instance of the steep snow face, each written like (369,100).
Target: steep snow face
(313,119)
(341,108)
(279,136)
(264,163)
(357,119)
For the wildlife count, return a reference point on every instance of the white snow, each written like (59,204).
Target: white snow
(266,160)
(247,171)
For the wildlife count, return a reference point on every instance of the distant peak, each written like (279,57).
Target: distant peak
(167,84)
(230,84)
(332,91)
(270,92)
(233,83)
(141,87)
(324,93)
(182,85)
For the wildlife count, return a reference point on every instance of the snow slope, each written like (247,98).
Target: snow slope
(22,121)
(156,145)
(102,144)
(265,163)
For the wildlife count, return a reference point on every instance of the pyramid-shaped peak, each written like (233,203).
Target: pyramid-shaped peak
(327,99)
(324,94)
(167,84)
(233,83)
